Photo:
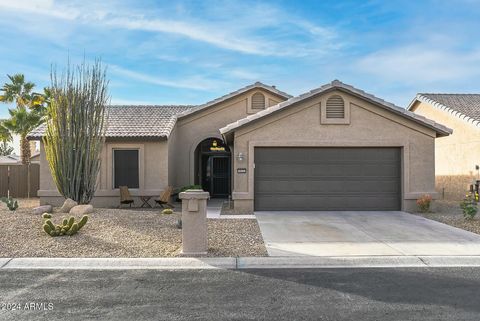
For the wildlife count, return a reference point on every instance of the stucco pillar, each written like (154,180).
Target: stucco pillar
(194,222)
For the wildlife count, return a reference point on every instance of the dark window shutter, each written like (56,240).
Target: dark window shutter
(258,101)
(335,107)
(125,164)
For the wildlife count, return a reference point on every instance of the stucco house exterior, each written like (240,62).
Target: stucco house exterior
(457,155)
(333,148)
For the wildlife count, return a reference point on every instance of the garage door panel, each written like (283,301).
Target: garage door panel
(327,179)
(319,187)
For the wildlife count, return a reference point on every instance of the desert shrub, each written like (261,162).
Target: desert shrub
(469,206)
(424,203)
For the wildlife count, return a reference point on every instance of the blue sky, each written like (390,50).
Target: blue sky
(189,52)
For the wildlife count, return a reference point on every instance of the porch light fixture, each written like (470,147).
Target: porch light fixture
(240,157)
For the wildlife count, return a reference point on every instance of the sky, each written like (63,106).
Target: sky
(190,52)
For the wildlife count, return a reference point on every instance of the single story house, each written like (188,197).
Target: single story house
(457,156)
(333,148)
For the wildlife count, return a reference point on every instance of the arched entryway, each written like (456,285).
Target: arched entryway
(213,167)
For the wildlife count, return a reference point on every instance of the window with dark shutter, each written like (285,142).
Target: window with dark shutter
(258,101)
(335,107)
(125,167)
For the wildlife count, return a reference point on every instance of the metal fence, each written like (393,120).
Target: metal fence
(19,181)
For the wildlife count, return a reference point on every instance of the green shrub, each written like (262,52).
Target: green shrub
(11,203)
(424,202)
(469,206)
(167,211)
(68,227)
(184,188)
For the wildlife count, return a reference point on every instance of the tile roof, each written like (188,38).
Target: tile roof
(466,105)
(258,84)
(336,84)
(136,121)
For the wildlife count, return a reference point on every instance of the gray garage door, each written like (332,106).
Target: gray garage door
(327,179)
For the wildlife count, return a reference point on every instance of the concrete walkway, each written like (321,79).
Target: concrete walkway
(362,233)
(214,209)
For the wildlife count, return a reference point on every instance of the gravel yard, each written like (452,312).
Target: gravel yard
(449,212)
(121,233)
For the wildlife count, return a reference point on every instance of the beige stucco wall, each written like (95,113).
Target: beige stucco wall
(368,125)
(194,128)
(455,155)
(153,174)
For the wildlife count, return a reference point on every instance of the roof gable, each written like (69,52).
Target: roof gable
(464,106)
(257,85)
(338,85)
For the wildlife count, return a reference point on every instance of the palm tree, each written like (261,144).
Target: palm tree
(18,91)
(22,122)
(5,138)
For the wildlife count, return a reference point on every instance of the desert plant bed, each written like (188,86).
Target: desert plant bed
(449,212)
(122,233)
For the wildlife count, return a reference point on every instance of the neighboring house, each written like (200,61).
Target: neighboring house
(17,160)
(333,148)
(457,155)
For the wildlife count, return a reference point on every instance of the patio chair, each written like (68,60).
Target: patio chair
(165,198)
(125,197)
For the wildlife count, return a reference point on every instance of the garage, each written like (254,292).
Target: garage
(327,179)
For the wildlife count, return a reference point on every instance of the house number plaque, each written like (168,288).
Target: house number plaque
(241,170)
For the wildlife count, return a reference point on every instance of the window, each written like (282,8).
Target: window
(335,107)
(125,168)
(258,101)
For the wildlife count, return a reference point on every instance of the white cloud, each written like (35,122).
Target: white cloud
(415,64)
(195,82)
(239,34)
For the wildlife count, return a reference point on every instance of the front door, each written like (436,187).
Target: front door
(219,176)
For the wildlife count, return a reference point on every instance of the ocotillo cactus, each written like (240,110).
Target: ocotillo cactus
(68,227)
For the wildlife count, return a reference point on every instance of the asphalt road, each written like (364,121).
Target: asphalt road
(323,294)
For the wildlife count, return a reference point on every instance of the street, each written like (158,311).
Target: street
(278,294)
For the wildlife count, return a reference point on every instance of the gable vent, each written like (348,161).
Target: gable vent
(258,101)
(335,107)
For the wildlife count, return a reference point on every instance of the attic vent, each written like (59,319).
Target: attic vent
(335,107)
(258,101)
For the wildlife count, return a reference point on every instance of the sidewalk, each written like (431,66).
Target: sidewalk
(233,263)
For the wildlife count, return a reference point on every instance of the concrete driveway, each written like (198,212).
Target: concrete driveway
(361,233)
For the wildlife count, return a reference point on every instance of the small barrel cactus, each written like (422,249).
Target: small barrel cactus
(68,227)
(47,216)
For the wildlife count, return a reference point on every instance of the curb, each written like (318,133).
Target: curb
(232,263)
(120,263)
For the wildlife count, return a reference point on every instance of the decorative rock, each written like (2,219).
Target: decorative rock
(42,209)
(81,209)
(68,205)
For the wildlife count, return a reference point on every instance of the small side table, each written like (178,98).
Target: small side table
(145,200)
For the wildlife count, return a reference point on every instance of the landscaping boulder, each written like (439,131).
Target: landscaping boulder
(42,209)
(68,205)
(81,209)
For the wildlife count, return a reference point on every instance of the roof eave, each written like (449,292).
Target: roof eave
(337,85)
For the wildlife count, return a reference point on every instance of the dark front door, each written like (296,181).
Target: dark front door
(219,176)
